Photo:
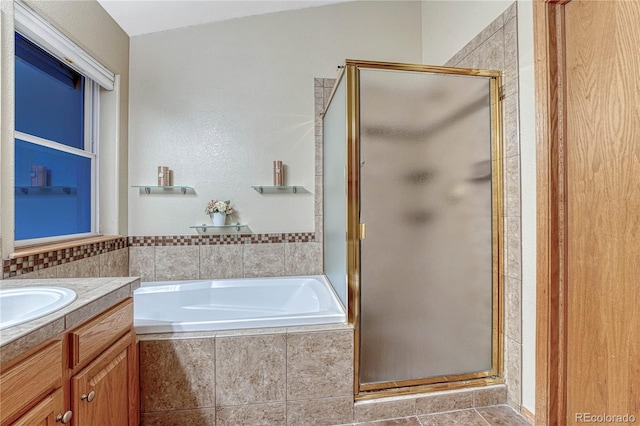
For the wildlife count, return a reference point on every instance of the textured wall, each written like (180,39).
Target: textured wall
(217,103)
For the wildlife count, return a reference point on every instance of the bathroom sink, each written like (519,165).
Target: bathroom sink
(19,305)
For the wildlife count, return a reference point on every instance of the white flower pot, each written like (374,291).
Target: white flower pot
(218,219)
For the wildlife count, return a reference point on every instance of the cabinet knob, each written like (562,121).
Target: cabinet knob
(88,397)
(64,418)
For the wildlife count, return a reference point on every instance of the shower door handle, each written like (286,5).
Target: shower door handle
(362,232)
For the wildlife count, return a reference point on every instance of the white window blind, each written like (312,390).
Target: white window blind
(39,31)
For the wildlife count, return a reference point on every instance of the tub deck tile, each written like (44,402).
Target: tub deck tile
(250,369)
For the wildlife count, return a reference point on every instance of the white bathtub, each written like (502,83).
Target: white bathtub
(209,305)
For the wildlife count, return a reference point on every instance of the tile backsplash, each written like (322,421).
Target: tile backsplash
(224,256)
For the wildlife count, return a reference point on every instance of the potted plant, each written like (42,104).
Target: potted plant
(218,210)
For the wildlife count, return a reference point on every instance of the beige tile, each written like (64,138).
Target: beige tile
(221,261)
(490,54)
(454,418)
(321,327)
(319,364)
(263,260)
(115,263)
(510,82)
(250,369)
(203,417)
(303,258)
(142,263)
(17,347)
(317,82)
(329,82)
(511,125)
(320,412)
(445,401)
(513,308)
(97,306)
(511,12)
(319,230)
(502,415)
(512,186)
(45,273)
(488,32)
(318,191)
(489,395)
(512,371)
(84,268)
(251,332)
(327,94)
(405,421)
(513,265)
(511,44)
(318,156)
(272,414)
(177,374)
(177,263)
(374,410)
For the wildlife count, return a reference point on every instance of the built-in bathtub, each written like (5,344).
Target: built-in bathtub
(231,304)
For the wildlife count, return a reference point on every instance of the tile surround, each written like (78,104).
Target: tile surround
(254,414)
(250,369)
(496,47)
(12,268)
(246,374)
(309,354)
(163,257)
(171,375)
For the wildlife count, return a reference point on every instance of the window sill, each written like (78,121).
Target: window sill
(62,245)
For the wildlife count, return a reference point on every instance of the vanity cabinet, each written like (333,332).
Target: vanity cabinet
(84,377)
(100,391)
(47,412)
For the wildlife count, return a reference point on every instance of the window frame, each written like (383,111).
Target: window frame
(35,29)
(90,150)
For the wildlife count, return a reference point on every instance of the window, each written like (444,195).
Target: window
(57,87)
(55,150)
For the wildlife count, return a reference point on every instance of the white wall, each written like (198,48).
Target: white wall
(447,27)
(528,180)
(217,103)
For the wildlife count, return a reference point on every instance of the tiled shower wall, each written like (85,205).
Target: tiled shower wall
(496,48)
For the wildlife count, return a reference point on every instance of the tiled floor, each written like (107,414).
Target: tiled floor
(498,415)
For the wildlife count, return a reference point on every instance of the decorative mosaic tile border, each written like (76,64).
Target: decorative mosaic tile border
(211,240)
(36,262)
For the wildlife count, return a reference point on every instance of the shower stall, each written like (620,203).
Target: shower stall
(412,222)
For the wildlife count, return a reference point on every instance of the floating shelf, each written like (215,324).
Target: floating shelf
(46,190)
(204,227)
(270,189)
(151,188)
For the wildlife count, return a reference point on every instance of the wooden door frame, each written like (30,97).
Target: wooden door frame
(551,173)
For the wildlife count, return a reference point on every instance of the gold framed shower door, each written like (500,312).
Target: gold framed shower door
(355,231)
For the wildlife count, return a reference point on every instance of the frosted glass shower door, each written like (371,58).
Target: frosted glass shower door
(426,271)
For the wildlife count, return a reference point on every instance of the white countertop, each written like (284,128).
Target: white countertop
(94,295)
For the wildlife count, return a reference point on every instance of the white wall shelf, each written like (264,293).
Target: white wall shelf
(271,189)
(45,190)
(204,227)
(148,189)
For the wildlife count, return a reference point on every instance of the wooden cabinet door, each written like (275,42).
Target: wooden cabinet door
(45,412)
(108,378)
